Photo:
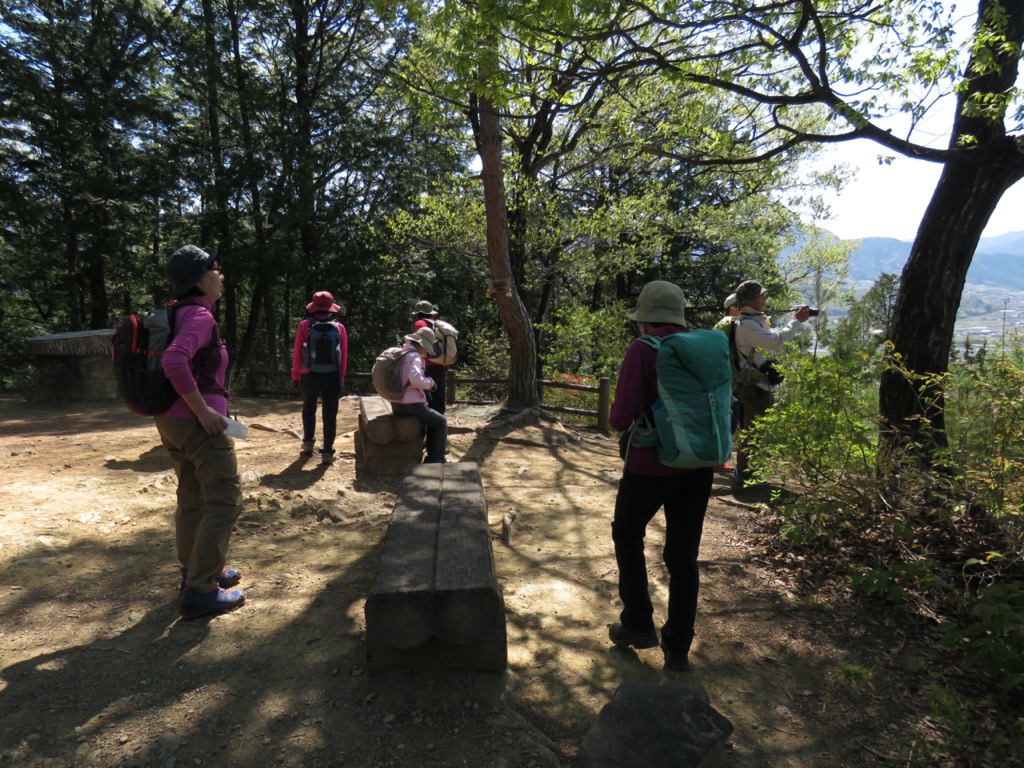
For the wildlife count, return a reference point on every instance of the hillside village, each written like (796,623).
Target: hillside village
(992,306)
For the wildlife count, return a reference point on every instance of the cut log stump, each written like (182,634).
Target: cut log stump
(384,439)
(435,600)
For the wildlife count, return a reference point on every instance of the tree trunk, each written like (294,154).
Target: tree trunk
(969,189)
(930,292)
(522,377)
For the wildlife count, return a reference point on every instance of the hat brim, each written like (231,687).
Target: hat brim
(433,350)
(640,316)
(313,308)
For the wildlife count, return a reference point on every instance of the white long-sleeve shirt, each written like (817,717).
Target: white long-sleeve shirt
(753,335)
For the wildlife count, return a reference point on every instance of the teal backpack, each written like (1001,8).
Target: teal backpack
(693,412)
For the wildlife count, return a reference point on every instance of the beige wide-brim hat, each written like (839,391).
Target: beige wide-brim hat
(425,338)
(730,300)
(660,302)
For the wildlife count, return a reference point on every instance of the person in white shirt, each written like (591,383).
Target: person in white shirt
(755,341)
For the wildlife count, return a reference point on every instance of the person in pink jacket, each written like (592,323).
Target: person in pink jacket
(209,491)
(414,400)
(319,361)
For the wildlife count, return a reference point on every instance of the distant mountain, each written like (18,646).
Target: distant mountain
(998,261)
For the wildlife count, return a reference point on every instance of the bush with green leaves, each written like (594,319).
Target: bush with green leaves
(995,640)
(821,439)
(940,528)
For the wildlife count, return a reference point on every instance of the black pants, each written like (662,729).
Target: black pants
(328,387)
(685,499)
(436,396)
(436,424)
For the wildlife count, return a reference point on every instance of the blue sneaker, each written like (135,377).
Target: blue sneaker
(226,579)
(196,604)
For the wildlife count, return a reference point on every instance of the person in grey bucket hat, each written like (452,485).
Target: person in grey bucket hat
(185,267)
(209,492)
(647,486)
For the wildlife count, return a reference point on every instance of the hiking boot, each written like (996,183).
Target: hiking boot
(675,661)
(196,604)
(624,638)
(226,579)
(307,448)
(326,456)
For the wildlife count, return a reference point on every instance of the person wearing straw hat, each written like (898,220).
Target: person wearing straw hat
(414,399)
(424,315)
(319,361)
(646,486)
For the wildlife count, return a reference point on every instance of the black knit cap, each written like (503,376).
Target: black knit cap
(185,268)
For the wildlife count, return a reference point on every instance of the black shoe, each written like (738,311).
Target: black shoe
(675,660)
(624,638)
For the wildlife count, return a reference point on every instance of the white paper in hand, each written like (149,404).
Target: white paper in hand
(235,429)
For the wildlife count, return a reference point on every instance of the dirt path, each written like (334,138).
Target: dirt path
(96,670)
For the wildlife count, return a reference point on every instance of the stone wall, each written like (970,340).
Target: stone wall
(71,367)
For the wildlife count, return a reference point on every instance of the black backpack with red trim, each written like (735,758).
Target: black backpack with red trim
(137,350)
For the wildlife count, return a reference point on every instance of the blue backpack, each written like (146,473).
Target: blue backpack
(693,412)
(322,352)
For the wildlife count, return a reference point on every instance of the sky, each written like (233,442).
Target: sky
(889,200)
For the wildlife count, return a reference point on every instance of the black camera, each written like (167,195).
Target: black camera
(812,311)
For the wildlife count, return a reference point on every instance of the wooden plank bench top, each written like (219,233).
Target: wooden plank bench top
(436,584)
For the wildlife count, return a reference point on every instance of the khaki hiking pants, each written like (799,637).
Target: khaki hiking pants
(209,497)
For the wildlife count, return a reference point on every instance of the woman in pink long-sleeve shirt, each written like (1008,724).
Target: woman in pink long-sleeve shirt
(422,344)
(209,489)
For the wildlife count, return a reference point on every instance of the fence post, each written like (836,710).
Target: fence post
(449,391)
(604,404)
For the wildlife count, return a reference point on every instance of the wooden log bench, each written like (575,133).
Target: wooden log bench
(386,439)
(435,600)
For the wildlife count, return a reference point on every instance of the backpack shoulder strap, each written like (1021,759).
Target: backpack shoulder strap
(651,341)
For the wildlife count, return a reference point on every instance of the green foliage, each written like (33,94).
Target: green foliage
(821,437)
(990,451)
(961,507)
(572,398)
(855,675)
(584,341)
(892,584)
(995,641)
(491,361)
(947,710)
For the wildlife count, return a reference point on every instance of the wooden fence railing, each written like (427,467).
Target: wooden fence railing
(602,390)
